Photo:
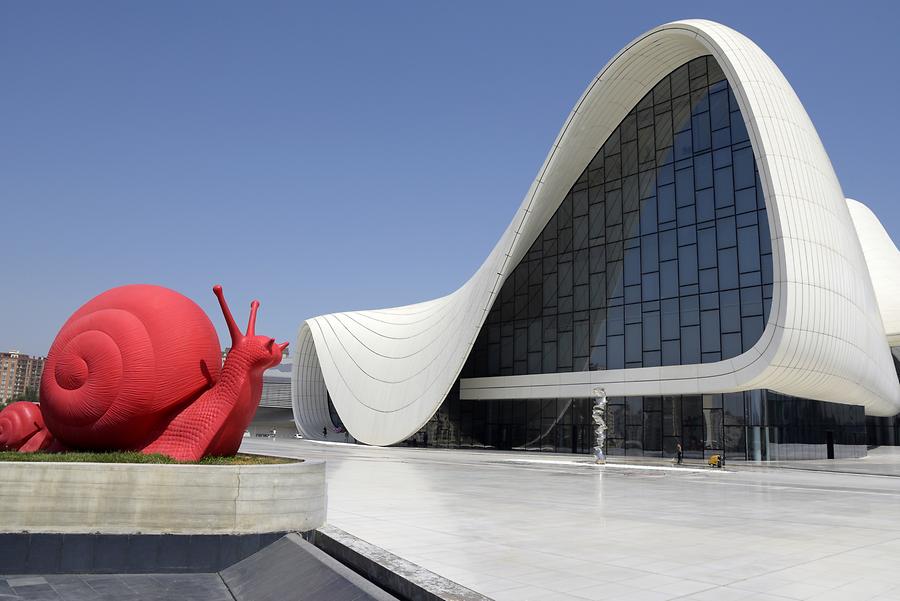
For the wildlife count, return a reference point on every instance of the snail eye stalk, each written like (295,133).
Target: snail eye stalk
(251,327)
(233,328)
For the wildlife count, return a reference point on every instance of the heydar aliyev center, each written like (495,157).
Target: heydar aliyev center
(686,248)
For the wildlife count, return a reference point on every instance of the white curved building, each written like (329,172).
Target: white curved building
(883,261)
(686,246)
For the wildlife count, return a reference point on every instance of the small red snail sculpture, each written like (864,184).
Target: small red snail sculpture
(139,368)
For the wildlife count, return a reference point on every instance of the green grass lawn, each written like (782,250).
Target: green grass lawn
(135,457)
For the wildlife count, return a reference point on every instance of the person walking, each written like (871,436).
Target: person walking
(324,431)
(679,452)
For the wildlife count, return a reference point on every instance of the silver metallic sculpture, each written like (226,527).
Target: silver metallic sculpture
(598,414)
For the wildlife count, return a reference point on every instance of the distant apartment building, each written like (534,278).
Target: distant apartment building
(19,373)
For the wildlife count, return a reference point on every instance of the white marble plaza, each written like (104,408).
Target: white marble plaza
(517,526)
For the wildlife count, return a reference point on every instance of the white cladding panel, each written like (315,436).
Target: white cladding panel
(387,371)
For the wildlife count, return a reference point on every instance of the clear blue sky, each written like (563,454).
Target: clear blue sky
(334,156)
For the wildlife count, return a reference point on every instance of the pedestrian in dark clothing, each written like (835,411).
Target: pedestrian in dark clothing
(679,452)
(324,431)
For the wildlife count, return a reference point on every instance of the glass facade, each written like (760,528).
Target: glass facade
(754,424)
(659,254)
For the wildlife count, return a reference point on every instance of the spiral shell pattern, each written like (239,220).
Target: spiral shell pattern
(122,363)
(19,422)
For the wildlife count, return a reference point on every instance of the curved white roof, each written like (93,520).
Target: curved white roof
(387,371)
(883,260)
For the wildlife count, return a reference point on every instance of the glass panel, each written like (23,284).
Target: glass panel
(652,440)
(718,110)
(580,340)
(728,269)
(725,232)
(634,408)
(671,415)
(616,421)
(735,441)
(734,409)
(744,166)
(666,203)
(748,249)
(701,131)
(671,352)
(668,280)
(615,352)
(729,304)
(684,187)
(709,326)
(690,345)
(580,232)
(687,264)
(713,429)
(706,248)
(633,440)
(706,209)
(633,350)
(651,331)
(751,301)
(731,345)
(724,185)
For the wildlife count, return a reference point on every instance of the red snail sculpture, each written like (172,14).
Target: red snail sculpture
(139,368)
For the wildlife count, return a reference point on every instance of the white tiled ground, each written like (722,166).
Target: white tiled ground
(516,530)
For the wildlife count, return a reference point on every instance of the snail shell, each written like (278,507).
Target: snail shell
(124,363)
(18,423)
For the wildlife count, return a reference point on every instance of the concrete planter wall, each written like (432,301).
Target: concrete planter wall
(146,498)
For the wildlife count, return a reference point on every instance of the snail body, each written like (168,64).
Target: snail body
(138,368)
